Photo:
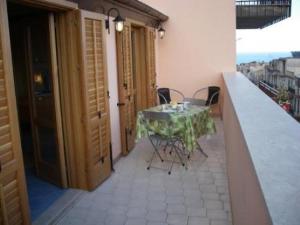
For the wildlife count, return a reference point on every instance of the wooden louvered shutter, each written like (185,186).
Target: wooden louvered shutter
(151,67)
(126,90)
(95,98)
(3,213)
(13,196)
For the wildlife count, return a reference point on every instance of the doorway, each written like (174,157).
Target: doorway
(33,47)
(133,80)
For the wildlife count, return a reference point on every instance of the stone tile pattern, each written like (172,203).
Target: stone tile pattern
(136,196)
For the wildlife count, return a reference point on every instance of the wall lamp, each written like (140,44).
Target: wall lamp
(119,21)
(161,31)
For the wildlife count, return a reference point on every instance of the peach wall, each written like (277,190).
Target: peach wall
(199,43)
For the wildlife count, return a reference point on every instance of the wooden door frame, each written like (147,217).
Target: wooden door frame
(72,123)
(69,162)
(57,102)
(50,26)
(56,99)
(54,6)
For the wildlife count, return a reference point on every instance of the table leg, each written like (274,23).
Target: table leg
(201,150)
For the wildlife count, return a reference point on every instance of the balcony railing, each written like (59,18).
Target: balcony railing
(270,91)
(262,149)
(261,13)
(262,2)
(294,96)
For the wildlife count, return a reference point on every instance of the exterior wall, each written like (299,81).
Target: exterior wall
(199,43)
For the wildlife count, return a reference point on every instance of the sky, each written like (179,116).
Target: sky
(280,37)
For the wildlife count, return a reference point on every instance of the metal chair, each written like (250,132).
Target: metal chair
(156,139)
(213,93)
(161,99)
(212,99)
(166,92)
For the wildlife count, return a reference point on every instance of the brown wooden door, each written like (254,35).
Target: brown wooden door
(139,69)
(95,97)
(151,67)
(43,88)
(126,89)
(13,196)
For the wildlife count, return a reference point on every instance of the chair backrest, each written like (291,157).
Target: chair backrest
(162,99)
(213,95)
(164,95)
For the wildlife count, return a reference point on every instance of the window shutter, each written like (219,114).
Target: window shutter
(151,67)
(126,90)
(13,196)
(127,58)
(3,214)
(95,98)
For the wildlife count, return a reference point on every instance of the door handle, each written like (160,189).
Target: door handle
(120,104)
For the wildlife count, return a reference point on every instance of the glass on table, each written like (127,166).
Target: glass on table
(163,107)
(180,107)
(186,104)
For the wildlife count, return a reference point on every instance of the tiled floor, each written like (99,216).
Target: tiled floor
(136,196)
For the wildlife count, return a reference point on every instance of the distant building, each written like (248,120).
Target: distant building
(255,71)
(296,99)
(296,54)
(285,73)
(279,73)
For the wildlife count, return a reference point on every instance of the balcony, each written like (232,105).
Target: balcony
(253,14)
(250,176)
(134,195)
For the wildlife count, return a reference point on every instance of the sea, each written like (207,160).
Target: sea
(260,57)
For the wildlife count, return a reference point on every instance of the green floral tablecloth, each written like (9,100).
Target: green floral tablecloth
(190,124)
